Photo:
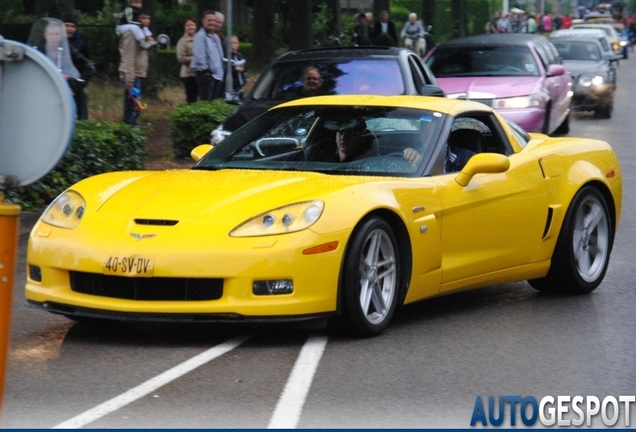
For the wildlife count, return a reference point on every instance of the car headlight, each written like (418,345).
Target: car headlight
(623,43)
(616,46)
(587,81)
(65,211)
(288,219)
(219,134)
(534,100)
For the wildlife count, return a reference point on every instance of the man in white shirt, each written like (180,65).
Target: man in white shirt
(207,57)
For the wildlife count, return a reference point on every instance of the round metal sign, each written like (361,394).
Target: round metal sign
(37,113)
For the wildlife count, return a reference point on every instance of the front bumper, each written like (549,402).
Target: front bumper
(55,257)
(591,98)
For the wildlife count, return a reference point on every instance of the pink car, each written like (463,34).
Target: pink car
(520,75)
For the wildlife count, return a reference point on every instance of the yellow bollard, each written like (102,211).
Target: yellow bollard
(9,228)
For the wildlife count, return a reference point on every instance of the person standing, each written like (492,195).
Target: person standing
(386,26)
(362,31)
(412,33)
(75,41)
(238,66)
(184,56)
(207,58)
(133,69)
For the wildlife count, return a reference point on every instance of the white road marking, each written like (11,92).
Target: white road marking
(289,406)
(153,384)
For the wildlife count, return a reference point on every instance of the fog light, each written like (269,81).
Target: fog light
(35,273)
(280,286)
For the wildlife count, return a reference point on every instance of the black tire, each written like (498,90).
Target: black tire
(370,278)
(582,252)
(564,128)
(546,120)
(605,110)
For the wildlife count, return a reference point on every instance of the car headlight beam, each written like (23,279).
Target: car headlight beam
(66,211)
(287,219)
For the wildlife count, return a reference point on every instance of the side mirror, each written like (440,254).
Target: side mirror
(432,90)
(199,151)
(555,70)
(482,163)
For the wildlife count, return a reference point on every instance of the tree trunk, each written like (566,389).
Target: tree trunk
(428,16)
(264,44)
(379,6)
(151,87)
(460,19)
(300,28)
(336,20)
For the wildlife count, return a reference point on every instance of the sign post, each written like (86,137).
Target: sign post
(37,117)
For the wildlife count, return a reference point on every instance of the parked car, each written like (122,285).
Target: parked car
(520,75)
(261,231)
(594,76)
(344,70)
(614,38)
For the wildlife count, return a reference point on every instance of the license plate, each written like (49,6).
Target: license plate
(137,266)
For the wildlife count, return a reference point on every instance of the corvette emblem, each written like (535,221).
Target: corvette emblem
(142,236)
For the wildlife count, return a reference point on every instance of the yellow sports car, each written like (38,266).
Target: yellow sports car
(339,207)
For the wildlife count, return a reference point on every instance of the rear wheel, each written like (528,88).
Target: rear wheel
(583,249)
(370,279)
(546,120)
(564,128)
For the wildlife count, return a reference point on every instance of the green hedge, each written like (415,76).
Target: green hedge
(97,147)
(191,124)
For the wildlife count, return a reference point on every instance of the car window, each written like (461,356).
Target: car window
(304,138)
(361,76)
(482,61)
(578,50)
(420,77)
(543,55)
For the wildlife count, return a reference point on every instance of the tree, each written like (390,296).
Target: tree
(379,6)
(460,18)
(300,24)
(336,20)
(429,10)
(264,43)
(151,86)
(50,8)
(203,5)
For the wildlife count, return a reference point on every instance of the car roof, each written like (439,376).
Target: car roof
(578,31)
(342,52)
(584,39)
(510,39)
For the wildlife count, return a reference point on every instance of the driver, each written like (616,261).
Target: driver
(354,141)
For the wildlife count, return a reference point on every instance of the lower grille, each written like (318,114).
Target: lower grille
(484,101)
(155,288)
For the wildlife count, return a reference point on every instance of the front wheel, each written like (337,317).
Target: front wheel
(370,279)
(583,248)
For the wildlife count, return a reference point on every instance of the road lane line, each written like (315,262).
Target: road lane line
(153,384)
(289,406)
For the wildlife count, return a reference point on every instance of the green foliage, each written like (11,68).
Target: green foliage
(191,124)
(97,147)
(168,66)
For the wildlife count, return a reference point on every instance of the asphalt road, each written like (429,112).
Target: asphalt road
(426,370)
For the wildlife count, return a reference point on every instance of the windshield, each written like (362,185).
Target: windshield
(483,61)
(285,81)
(328,139)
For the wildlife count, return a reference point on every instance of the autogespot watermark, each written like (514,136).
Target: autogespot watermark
(561,411)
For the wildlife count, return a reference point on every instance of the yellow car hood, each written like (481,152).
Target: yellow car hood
(192,194)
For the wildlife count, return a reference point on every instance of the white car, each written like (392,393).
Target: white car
(610,31)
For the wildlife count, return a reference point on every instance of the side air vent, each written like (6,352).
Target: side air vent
(548,222)
(160,222)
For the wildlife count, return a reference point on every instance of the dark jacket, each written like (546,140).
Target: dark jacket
(79,44)
(377,30)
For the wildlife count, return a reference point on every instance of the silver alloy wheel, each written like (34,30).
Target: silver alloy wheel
(378,276)
(591,239)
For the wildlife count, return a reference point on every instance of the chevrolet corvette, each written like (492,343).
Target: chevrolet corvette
(337,208)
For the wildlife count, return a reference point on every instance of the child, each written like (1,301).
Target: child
(238,64)
(129,21)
